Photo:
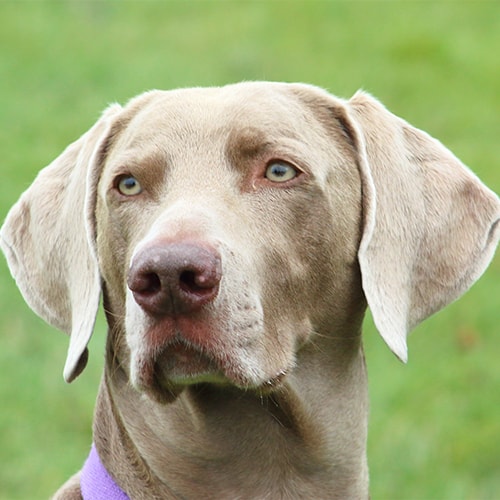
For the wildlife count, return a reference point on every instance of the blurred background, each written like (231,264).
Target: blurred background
(435,423)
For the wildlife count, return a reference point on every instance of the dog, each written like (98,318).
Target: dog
(237,236)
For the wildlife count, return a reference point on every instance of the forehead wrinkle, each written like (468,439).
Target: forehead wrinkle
(191,119)
(252,143)
(134,158)
(208,129)
(164,143)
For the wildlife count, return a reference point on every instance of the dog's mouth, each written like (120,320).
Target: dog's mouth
(181,364)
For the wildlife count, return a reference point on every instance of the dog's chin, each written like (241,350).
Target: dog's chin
(180,366)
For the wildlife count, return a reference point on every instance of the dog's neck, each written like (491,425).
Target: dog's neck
(233,443)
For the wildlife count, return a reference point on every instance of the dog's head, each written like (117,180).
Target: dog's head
(230,227)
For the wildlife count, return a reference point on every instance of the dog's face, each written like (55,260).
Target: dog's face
(227,235)
(235,230)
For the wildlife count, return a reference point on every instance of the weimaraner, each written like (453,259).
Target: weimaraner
(237,236)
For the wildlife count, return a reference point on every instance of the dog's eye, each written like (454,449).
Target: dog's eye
(279,171)
(128,185)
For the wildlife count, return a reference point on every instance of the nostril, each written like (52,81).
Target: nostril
(152,283)
(198,282)
(187,281)
(145,283)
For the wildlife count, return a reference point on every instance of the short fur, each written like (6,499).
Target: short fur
(260,391)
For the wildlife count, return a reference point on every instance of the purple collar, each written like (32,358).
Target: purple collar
(95,481)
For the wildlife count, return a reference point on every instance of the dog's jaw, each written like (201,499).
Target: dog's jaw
(170,354)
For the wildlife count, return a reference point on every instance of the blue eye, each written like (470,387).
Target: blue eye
(129,186)
(279,171)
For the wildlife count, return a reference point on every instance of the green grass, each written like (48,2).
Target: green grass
(435,424)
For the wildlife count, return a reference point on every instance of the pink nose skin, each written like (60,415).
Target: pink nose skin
(175,278)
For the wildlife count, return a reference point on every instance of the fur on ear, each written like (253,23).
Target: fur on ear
(48,239)
(431,226)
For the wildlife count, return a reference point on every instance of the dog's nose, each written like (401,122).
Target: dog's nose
(175,278)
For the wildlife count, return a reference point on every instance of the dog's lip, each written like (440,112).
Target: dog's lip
(274,382)
(182,363)
(182,352)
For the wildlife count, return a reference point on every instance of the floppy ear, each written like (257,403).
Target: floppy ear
(430,226)
(48,239)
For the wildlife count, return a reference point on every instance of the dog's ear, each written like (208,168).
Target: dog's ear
(430,226)
(49,240)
